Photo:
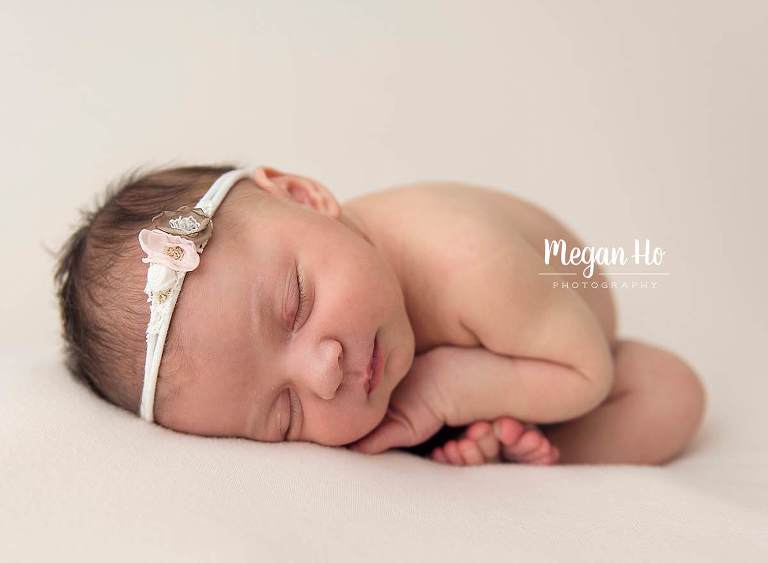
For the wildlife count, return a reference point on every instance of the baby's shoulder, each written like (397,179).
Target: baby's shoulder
(435,210)
(442,232)
(455,223)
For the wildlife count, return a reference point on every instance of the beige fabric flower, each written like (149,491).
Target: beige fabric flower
(185,222)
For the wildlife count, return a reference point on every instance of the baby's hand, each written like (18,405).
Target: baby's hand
(416,411)
(502,440)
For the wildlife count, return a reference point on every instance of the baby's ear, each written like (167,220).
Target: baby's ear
(301,189)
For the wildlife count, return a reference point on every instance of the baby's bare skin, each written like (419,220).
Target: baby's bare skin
(505,439)
(277,328)
(652,402)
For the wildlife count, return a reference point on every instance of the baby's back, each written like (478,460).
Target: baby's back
(447,227)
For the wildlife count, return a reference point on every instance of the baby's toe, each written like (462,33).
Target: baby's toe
(471,452)
(544,449)
(478,429)
(438,455)
(529,442)
(452,452)
(549,458)
(490,446)
(481,432)
(508,430)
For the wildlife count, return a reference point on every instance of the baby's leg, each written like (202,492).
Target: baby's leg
(653,410)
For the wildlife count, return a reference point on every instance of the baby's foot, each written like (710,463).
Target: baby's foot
(476,445)
(505,440)
(524,443)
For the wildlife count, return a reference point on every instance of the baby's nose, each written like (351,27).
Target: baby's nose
(329,373)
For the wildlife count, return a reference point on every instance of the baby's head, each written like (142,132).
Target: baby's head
(244,348)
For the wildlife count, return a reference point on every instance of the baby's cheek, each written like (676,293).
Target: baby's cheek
(366,422)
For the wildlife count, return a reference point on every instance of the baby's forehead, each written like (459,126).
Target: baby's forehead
(238,269)
(264,222)
(247,202)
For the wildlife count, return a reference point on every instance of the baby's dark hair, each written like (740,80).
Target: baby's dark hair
(103,308)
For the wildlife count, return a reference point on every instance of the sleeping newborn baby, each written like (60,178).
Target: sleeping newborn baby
(372,325)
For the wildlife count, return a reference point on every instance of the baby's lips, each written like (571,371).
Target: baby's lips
(177,253)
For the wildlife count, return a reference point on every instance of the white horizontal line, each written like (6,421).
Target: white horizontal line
(634,274)
(556,274)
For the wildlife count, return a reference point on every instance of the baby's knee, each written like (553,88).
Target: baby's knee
(688,398)
(672,392)
(690,394)
(667,374)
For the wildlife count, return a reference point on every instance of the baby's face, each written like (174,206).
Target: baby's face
(251,347)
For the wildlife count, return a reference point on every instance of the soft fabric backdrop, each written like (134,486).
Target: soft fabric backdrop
(626,119)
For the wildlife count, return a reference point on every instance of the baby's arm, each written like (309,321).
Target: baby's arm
(477,384)
(543,356)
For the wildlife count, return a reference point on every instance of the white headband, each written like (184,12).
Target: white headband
(172,249)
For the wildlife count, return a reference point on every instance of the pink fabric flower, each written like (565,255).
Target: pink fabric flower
(177,253)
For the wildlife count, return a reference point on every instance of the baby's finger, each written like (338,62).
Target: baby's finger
(471,452)
(452,452)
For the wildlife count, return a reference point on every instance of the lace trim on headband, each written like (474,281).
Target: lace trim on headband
(170,256)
